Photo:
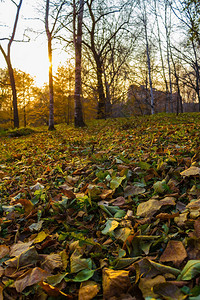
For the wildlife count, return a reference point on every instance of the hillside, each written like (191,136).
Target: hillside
(111,211)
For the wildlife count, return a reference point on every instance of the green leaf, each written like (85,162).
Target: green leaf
(191,269)
(116,182)
(84,275)
(78,264)
(111,225)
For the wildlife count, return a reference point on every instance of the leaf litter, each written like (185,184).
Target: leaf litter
(107,212)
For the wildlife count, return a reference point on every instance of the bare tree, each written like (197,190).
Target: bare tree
(77,38)
(103,23)
(50,35)
(144,21)
(7,56)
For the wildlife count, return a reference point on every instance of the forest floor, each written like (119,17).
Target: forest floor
(110,211)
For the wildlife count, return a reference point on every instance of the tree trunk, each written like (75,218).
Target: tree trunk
(162,60)
(168,59)
(51,98)
(101,109)
(14,93)
(197,67)
(10,68)
(78,113)
(149,69)
(51,93)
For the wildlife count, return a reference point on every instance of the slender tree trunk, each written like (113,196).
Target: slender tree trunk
(149,66)
(197,67)
(108,110)
(10,68)
(14,93)
(78,113)
(101,109)
(51,94)
(168,59)
(179,99)
(161,58)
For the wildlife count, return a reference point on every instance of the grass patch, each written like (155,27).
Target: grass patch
(20,132)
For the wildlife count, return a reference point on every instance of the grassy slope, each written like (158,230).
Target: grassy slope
(78,168)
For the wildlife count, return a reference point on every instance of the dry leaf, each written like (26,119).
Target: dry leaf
(4,250)
(53,291)
(146,285)
(115,282)
(53,261)
(174,252)
(31,277)
(88,290)
(192,171)
(17,249)
(28,257)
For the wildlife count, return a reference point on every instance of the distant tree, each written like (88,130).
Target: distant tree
(144,19)
(7,56)
(77,38)
(104,22)
(51,33)
(64,93)
(25,86)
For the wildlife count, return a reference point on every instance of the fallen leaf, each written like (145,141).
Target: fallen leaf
(111,225)
(40,237)
(30,277)
(168,291)
(4,250)
(192,171)
(115,283)
(148,208)
(174,252)
(53,261)
(36,187)
(27,204)
(28,257)
(191,269)
(53,291)
(88,290)
(146,285)
(133,190)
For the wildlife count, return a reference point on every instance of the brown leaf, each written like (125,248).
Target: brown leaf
(165,216)
(1,293)
(168,201)
(30,277)
(174,252)
(168,290)
(1,271)
(53,291)
(146,285)
(192,171)
(28,257)
(119,201)
(17,249)
(197,228)
(53,261)
(115,282)
(88,290)
(27,204)
(106,194)
(4,250)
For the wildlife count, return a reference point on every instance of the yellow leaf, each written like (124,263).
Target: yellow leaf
(40,237)
(88,290)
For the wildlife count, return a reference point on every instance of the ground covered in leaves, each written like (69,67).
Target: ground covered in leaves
(111,211)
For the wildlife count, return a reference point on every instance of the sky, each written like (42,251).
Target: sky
(30,57)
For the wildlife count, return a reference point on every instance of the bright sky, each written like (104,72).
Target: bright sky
(29,57)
